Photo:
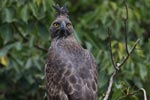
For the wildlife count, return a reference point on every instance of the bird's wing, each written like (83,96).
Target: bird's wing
(53,76)
(80,78)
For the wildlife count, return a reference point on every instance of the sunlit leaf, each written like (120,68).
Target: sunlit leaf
(137,14)
(4,61)
(114,5)
(39,2)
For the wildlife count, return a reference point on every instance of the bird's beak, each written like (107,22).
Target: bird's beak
(63,26)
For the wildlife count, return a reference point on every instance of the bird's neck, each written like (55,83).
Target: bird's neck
(68,42)
(63,40)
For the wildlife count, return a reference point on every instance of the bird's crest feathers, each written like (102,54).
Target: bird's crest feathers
(61,11)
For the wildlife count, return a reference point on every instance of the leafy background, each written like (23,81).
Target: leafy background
(24,24)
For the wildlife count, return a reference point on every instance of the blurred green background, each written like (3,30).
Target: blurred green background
(24,24)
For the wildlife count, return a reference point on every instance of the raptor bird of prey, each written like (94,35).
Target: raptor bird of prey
(70,70)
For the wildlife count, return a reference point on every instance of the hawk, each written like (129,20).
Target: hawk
(70,70)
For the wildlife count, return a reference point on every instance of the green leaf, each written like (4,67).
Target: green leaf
(3,4)
(43,30)
(18,46)
(142,71)
(137,14)
(33,9)
(38,66)
(30,79)
(38,13)
(138,82)
(39,2)
(24,13)
(114,5)
(21,2)
(4,50)
(117,93)
(8,15)
(6,32)
(102,79)
(28,63)
(31,42)
(44,5)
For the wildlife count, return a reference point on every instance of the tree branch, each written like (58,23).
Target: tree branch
(110,47)
(125,26)
(126,58)
(133,93)
(110,85)
(112,57)
(118,66)
(27,40)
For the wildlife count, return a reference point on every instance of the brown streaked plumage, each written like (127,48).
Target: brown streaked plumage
(71,71)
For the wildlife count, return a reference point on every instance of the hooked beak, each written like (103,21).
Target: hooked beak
(62,27)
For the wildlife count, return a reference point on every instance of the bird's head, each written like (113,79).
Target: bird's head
(61,27)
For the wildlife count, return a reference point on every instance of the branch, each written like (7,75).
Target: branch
(130,52)
(40,48)
(144,93)
(112,57)
(27,40)
(125,26)
(133,93)
(110,85)
(118,66)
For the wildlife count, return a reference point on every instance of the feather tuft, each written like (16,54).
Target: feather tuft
(61,11)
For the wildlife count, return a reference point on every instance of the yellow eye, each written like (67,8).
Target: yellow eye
(56,25)
(68,25)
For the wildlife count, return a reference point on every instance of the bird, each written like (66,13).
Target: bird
(70,70)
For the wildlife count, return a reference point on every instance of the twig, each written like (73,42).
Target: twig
(133,93)
(112,57)
(117,66)
(125,26)
(40,48)
(144,93)
(27,40)
(130,52)
(110,85)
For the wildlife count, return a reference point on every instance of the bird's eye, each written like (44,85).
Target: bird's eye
(56,25)
(68,25)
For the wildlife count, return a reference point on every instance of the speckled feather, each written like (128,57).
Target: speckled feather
(70,70)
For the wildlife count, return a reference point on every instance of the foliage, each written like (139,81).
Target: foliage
(24,25)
